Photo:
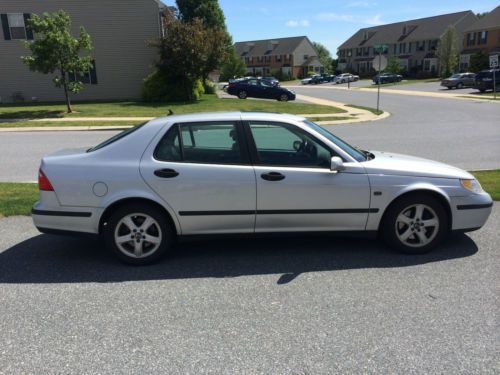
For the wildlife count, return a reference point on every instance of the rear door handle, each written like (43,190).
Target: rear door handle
(272,176)
(166,173)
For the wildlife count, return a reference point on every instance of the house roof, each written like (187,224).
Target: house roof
(489,21)
(418,29)
(283,46)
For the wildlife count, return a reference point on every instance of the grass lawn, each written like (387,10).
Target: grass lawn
(482,95)
(24,124)
(208,103)
(330,118)
(18,198)
(372,110)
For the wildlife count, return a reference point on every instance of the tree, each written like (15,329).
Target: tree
(479,61)
(481,15)
(210,13)
(394,66)
(234,67)
(324,56)
(56,50)
(183,55)
(447,51)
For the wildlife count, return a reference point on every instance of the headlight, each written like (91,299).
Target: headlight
(472,185)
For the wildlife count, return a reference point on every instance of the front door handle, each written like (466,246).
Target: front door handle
(272,176)
(166,173)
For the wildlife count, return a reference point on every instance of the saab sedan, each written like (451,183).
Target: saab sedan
(248,174)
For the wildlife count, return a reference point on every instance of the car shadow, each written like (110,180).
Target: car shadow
(52,259)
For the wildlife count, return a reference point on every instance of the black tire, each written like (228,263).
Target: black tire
(460,85)
(389,227)
(242,94)
(165,230)
(482,90)
(283,98)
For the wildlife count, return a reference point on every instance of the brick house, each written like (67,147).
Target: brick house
(414,42)
(295,55)
(120,32)
(482,36)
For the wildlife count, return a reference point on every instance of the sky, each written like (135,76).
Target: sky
(329,22)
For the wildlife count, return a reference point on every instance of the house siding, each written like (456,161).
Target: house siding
(120,32)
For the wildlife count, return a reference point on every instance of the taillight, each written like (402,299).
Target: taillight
(43,182)
(231,85)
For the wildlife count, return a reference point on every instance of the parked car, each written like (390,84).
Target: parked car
(248,173)
(387,78)
(459,81)
(259,88)
(307,80)
(484,80)
(345,77)
(272,80)
(315,80)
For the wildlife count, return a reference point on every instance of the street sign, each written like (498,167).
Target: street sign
(379,62)
(494,61)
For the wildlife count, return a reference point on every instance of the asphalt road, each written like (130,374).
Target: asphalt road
(459,132)
(281,306)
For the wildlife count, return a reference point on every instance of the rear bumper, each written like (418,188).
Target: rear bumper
(470,212)
(66,219)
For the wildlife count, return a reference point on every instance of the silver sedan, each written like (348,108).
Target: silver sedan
(248,174)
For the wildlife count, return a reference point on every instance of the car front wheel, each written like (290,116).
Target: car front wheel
(138,234)
(283,98)
(242,94)
(415,224)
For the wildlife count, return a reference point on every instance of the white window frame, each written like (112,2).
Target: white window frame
(9,15)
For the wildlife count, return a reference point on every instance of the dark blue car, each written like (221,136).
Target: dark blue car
(259,88)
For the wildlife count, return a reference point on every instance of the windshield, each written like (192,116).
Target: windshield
(116,137)
(354,152)
(456,76)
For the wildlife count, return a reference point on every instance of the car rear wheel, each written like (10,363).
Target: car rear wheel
(460,85)
(242,94)
(283,98)
(415,224)
(138,234)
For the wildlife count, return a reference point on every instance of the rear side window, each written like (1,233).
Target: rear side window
(204,143)
(116,137)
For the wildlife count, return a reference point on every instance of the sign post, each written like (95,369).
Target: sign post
(494,66)
(379,63)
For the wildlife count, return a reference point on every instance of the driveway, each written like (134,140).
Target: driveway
(307,305)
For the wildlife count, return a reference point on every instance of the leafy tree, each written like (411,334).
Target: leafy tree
(183,55)
(394,66)
(447,51)
(324,56)
(479,61)
(481,15)
(56,50)
(234,67)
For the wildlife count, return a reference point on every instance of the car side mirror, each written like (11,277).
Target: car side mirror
(336,164)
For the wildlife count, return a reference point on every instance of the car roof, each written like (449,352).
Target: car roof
(227,116)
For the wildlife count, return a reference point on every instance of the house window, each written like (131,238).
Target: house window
(277,58)
(16,25)
(402,48)
(471,39)
(482,37)
(409,47)
(89,77)
(349,53)
(306,57)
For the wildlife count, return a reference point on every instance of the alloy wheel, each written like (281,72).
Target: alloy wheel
(417,225)
(138,235)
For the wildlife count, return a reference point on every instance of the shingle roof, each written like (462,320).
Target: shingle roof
(261,47)
(418,29)
(489,21)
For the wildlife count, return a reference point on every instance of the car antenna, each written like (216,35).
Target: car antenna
(170,112)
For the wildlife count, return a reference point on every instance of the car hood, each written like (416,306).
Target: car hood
(405,165)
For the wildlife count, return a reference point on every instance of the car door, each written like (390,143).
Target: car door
(254,89)
(267,89)
(296,190)
(202,171)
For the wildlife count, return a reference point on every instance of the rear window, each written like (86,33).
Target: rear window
(116,137)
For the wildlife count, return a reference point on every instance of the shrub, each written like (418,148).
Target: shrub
(209,87)
(158,87)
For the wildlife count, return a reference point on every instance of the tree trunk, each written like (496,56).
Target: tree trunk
(66,95)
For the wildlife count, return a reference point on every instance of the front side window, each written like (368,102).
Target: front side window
(17,27)
(287,145)
(204,143)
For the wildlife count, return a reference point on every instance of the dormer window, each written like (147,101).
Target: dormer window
(365,35)
(404,30)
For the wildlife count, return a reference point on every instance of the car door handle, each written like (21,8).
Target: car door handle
(272,176)
(166,173)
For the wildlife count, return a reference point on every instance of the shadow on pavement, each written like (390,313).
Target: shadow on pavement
(53,259)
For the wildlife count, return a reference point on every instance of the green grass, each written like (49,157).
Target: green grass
(208,103)
(24,124)
(490,181)
(330,118)
(372,110)
(18,198)
(484,95)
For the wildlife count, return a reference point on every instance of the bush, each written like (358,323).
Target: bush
(311,73)
(158,87)
(209,87)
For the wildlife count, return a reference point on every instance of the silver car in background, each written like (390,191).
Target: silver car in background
(248,173)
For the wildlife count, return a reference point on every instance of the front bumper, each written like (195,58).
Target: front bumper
(470,212)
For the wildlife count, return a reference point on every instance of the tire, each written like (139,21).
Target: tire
(130,220)
(460,85)
(242,94)
(402,220)
(283,98)
(482,90)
